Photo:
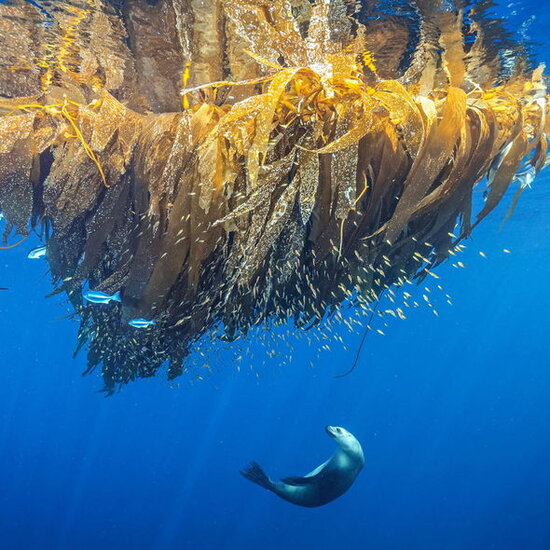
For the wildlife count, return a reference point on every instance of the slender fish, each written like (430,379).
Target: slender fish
(98,297)
(142,323)
(37,253)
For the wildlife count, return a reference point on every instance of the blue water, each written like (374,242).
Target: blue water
(452,411)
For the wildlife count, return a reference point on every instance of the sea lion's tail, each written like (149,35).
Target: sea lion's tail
(255,474)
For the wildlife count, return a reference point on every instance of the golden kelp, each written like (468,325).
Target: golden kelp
(227,163)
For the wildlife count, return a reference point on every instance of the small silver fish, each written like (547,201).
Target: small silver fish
(526,176)
(37,253)
(98,297)
(141,323)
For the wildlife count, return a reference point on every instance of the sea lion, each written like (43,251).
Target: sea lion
(327,482)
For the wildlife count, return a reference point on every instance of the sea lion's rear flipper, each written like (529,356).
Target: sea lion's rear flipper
(255,474)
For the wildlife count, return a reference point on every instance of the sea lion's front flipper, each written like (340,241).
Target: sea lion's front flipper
(312,477)
(299,480)
(317,470)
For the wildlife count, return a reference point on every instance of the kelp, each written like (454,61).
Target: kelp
(225,164)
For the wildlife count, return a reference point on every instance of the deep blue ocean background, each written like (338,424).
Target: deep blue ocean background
(453,413)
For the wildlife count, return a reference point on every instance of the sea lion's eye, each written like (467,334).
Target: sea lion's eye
(339,430)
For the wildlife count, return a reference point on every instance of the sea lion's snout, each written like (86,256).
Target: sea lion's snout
(336,432)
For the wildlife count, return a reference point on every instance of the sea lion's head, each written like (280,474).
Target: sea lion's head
(345,439)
